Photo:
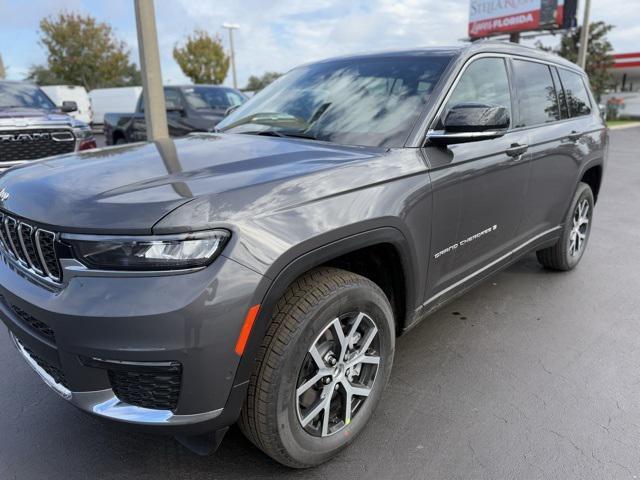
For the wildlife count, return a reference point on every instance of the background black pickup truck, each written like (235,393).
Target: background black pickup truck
(190,108)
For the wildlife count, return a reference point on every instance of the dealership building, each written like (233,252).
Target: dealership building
(624,100)
(626,72)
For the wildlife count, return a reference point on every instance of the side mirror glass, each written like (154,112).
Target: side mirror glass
(68,107)
(467,122)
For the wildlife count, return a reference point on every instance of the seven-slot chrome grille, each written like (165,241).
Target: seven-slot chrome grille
(33,247)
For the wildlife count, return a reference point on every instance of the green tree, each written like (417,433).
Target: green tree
(202,58)
(83,51)
(43,76)
(599,54)
(255,83)
(3,71)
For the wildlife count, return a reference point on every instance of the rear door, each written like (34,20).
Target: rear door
(557,124)
(478,187)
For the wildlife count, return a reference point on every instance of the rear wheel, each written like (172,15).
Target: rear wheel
(323,366)
(566,254)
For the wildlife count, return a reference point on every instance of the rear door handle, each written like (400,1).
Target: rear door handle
(574,136)
(516,150)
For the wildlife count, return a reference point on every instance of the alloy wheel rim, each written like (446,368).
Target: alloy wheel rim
(580,228)
(337,374)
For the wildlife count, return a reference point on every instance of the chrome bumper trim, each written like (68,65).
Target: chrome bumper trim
(48,379)
(104,403)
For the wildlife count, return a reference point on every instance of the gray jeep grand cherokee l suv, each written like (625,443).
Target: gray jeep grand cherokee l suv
(261,273)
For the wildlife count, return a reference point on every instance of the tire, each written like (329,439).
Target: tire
(565,255)
(120,141)
(306,319)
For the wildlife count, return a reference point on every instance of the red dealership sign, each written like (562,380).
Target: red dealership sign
(494,17)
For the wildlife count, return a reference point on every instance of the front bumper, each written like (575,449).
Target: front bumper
(192,320)
(105,403)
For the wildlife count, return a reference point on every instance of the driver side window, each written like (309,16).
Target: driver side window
(485,81)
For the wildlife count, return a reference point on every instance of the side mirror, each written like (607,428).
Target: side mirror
(231,109)
(468,122)
(174,108)
(603,111)
(68,107)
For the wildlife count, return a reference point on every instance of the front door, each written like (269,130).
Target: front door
(478,187)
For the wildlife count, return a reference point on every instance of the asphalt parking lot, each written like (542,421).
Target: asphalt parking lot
(531,375)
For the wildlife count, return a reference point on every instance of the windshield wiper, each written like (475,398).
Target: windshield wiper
(282,134)
(270,119)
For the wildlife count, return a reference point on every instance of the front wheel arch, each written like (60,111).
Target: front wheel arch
(323,256)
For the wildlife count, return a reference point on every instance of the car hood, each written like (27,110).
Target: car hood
(24,117)
(128,189)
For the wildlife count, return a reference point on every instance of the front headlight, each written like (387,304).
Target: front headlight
(162,252)
(83,132)
(85,138)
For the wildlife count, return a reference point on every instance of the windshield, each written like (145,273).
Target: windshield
(15,95)
(367,101)
(212,98)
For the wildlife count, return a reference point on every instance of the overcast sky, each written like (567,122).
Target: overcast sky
(276,35)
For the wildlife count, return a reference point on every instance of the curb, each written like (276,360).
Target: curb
(622,127)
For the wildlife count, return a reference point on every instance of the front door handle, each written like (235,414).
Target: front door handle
(574,136)
(516,150)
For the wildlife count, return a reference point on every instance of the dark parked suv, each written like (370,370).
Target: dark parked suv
(190,108)
(261,273)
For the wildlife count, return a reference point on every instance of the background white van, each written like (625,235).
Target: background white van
(71,93)
(111,100)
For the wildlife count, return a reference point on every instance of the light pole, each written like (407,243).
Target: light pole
(584,36)
(231,27)
(153,93)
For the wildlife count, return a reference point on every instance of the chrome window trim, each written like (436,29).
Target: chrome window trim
(430,124)
(487,134)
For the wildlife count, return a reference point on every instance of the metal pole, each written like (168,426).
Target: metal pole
(231,27)
(153,93)
(584,36)
(514,37)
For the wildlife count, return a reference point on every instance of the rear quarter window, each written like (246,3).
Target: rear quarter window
(575,93)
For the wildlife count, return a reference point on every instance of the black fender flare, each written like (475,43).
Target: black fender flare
(314,258)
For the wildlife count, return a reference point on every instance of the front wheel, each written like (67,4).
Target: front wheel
(322,368)
(566,254)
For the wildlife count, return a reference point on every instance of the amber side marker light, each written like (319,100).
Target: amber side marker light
(246,329)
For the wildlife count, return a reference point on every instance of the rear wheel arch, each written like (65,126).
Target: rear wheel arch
(117,135)
(592,176)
